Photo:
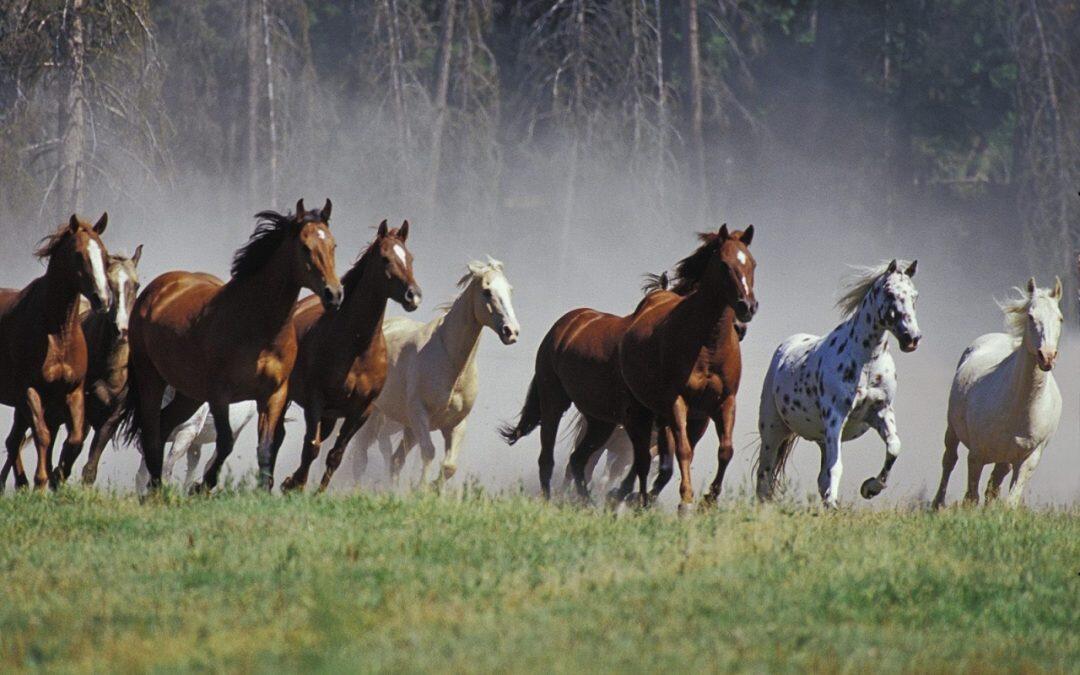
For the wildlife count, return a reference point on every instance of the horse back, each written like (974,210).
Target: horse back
(581,351)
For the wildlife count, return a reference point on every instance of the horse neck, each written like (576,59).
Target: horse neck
(702,314)
(360,319)
(867,337)
(1027,379)
(459,330)
(265,299)
(61,298)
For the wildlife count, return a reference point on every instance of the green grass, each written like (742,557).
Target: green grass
(469,582)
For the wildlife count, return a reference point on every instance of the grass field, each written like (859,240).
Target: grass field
(469,582)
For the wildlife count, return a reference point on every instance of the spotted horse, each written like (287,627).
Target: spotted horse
(834,388)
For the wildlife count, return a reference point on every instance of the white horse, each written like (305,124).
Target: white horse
(1005,405)
(431,379)
(190,437)
(833,388)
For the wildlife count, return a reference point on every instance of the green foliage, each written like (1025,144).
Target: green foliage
(470,582)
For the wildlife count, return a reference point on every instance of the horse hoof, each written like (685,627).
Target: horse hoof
(686,509)
(871,488)
(196,490)
(288,485)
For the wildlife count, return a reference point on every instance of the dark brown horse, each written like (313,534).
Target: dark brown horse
(577,362)
(220,342)
(341,366)
(681,361)
(42,347)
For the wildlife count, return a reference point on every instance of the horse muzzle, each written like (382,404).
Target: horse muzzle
(508,334)
(412,299)
(909,343)
(745,310)
(1046,359)
(332,296)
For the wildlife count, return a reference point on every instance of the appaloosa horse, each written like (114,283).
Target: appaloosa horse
(680,358)
(219,342)
(42,348)
(341,366)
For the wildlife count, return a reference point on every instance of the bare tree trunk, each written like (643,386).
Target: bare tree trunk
(661,107)
(577,115)
(441,87)
(72,170)
(253,29)
(270,102)
(635,70)
(696,135)
(396,81)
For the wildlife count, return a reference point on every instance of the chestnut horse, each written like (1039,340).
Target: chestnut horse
(680,359)
(218,343)
(341,366)
(42,347)
(577,362)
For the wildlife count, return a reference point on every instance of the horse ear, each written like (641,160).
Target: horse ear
(892,266)
(138,255)
(1058,291)
(383,229)
(748,235)
(910,271)
(102,223)
(403,231)
(1031,286)
(73,222)
(300,211)
(324,215)
(724,232)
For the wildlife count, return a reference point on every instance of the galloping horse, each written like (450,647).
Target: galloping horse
(341,366)
(1004,404)
(680,358)
(833,388)
(432,378)
(219,342)
(43,356)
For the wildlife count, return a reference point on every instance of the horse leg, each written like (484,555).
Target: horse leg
(183,439)
(313,430)
(76,435)
(832,464)
(948,461)
(223,447)
(102,435)
(997,477)
(348,429)
(597,432)
(148,388)
(725,428)
(776,443)
(369,433)
(639,429)
(42,436)
(1027,467)
(271,413)
(453,439)
(397,462)
(684,453)
(14,442)
(975,469)
(885,424)
(665,455)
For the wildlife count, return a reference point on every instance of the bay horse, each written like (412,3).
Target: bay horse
(835,387)
(341,365)
(221,342)
(1004,405)
(681,360)
(43,357)
(432,379)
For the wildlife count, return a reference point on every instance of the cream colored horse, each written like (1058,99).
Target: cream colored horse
(431,380)
(1004,405)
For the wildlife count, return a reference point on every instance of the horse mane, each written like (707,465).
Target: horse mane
(272,229)
(474,270)
(859,283)
(689,270)
(655,282)
(48,244)
(1015,309)
(352,278)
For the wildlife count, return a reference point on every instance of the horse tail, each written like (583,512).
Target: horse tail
(131,422)
(529,418)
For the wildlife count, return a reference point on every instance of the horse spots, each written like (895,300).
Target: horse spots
(832,341)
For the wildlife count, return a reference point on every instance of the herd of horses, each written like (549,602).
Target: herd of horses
(191,359)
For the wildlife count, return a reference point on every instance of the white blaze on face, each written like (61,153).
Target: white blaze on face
(97,266)
(741,257)
(400,251)
(322,234)
(122,313)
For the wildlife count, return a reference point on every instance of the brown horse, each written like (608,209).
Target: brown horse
(680,358)
(341,366)
(577,362)
(42,347)
(220,342)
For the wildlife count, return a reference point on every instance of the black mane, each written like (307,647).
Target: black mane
(273,228)
(689,270)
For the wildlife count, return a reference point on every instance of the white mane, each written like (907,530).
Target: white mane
(476,270)
(859,283)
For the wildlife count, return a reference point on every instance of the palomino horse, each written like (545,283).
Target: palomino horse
(1004,404)
(107,356)
(341,366)
(680,358)
(43,356)
(219,342)
(833,388)
(432,378)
